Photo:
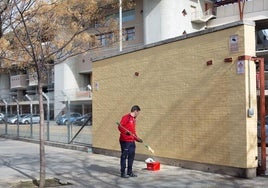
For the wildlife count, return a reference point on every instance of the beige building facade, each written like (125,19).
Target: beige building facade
(194,91)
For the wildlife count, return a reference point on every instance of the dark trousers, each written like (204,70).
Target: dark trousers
(127,156)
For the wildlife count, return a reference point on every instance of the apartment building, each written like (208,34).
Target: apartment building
(168,19)
(148,22)
(153,21)
(73,78)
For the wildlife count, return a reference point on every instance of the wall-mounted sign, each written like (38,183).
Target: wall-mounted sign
(233,43)
(240,67)
(96,86)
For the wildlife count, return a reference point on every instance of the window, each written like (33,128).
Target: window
(104,39)
(129,34)
(128,15)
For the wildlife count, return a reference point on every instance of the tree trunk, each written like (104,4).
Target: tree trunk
(1,26)
(42,136)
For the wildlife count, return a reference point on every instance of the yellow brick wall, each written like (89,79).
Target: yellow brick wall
(189,111)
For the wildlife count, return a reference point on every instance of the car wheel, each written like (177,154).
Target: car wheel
(26,122)
(65,122)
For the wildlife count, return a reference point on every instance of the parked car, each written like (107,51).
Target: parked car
(64,119)
(8,117)
(83,119)
(13,119)
(1,117)
(27,119)
(259,131)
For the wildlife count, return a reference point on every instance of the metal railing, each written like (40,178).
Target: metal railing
(54,131)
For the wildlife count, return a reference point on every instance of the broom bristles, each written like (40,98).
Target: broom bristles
(150,149)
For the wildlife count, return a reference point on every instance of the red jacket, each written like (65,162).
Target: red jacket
(128,122)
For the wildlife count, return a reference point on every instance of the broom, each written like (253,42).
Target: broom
(147,147)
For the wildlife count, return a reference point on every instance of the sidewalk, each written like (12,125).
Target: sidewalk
(19,161)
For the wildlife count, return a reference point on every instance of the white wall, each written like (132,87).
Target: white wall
(163,19)
(4,85)
(66,83)
(65,78)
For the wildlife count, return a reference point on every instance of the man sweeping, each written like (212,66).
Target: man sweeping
(127,140)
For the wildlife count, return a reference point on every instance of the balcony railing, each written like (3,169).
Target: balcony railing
(83,94)
(79,94)
(252,9)
(34,82)
(19,81)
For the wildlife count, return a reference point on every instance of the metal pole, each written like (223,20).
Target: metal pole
(68,115)
(5,115)
(120,25)
(18,111)
(31,112)
(262,109)
(47,98)
(260,61)
(69,122)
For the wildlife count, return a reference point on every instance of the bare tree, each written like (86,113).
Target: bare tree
(37,34)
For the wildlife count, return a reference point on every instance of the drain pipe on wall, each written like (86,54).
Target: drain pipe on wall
(250,109)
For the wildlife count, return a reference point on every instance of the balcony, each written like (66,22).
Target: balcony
(34,82)
(202,17)
(83,94)
(224,2)
(19,81)
(76,95)
(254,10)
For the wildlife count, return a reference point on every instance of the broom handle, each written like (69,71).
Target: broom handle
(148,147)
(127,130)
